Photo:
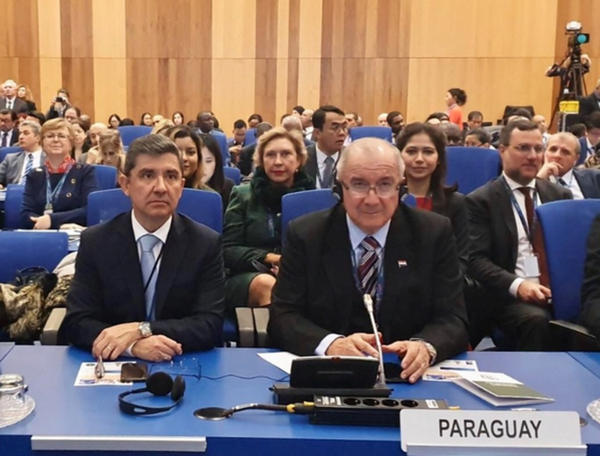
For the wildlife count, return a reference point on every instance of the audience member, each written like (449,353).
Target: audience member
(592,138)
(455,99)
(352,119)
(91,156)
(254,120)
(395,120)
(518,114)
(126,122)
(146,119)
(161,126)
(36,116)
(590,103)
(253,218)
(59,104)
(178,118)
(190,148)
(297,110)
(331,259)
(80,147)
(454,136)
(205,122)
(382,119)
(236,143)
(180,309)
(71,114)
(506,256)
(110,150)
(246,161)
(8,128)
(423,150)
(474,120)
(57,192)
(540,121)
(212,166)
(11,101)
(307,123)
(478,137)
(15,167)
(114,121)
(579,130)
(437,118)
(24,94)
(331,130)
(156,119)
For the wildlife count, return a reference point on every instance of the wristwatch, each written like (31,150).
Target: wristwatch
(145,329)
(432,352)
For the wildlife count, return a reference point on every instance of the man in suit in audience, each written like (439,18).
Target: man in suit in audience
(506,257)
(10,100)
(294,123)
(148,283)
(395,120)
(330,132)
(592,138)
(404,258)
(382,119)
(15,167)
(307,124)
(562,152)
(246,161)
(590,104)
(9,133)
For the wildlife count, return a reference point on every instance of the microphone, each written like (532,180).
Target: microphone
(368,302)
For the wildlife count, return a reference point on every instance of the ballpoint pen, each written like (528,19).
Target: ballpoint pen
(99,369)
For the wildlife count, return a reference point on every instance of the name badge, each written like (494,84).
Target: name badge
(48,209)
(532,267)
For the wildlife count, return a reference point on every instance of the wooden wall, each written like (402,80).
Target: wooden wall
(236,57)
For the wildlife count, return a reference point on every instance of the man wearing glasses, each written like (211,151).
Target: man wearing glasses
(369,243)
(507,255)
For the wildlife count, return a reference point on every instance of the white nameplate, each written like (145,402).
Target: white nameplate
(467,432)
(110,443)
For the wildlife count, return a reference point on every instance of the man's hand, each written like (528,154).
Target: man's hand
(415,358)
(114,340)
(156,348)
(358,344)
(273,258)
(534,293)
(41,223)
(549,169)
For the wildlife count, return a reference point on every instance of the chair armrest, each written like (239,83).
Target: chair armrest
(246,331)
(573,337)
(50,332)
(261,320)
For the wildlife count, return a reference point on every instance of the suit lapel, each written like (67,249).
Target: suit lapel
(173,254)
(129,263)
(311,167)
(507,213)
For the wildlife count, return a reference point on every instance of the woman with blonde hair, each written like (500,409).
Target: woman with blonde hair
(25,94)
(110,149)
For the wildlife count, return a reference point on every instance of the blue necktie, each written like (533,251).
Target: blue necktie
(148,242)
(27,169)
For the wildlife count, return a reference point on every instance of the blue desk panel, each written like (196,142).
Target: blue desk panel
(5,348)
(590,361)
(64,410)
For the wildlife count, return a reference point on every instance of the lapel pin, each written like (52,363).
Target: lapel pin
(402,263)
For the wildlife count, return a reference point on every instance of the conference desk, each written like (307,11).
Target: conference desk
(63,410)
(5,348)
(591,361)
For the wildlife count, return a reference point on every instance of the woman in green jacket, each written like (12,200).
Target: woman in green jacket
(252,233)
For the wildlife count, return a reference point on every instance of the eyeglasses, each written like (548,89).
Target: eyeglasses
(53,136)
(526,148)
(336,128)
(361,188)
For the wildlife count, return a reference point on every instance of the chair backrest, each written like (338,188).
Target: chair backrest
(4,151)
(12,206)
(204,207)
(132,132)
(23,249)
(222,142)
(106,177)
(293,205)
(250,136)
(371,132)
(471,167)
(566,226)
(234,174)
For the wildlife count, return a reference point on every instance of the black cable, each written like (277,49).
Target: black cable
(241,377)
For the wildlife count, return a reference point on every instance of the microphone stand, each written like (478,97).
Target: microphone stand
(368,303)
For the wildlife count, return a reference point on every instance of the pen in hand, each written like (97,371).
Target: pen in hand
(99,369)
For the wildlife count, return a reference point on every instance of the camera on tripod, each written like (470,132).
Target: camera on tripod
(576,38)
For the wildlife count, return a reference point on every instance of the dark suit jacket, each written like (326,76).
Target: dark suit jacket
(108,289)
(71,204)
(455,208)
(315,293)
(590,290)
(18,105)
(588,105)
(312,166)
(588,181)
(14,139)
(11,167)
(493,231)
(583,146)
(245,160)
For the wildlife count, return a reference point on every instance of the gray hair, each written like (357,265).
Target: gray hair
(291,123)
(569,136)
(368,145)
(35,127)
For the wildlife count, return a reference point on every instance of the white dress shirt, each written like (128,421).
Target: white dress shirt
(524,249)
(37,161)
(356,237)
(571,183)
(321,156)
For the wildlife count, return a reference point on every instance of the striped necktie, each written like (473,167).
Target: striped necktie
(147,262)
(27,169)
(368,268)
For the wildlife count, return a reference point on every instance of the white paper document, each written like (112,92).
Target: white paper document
(449,370)
(112,375)
(281,360)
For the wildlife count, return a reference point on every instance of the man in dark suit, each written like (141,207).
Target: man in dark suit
(590,104)
(506,256)
(10,100)
(591,139)
(15,167)
(330,132)
(404,258)
(149,283)
(9,133)
(246,160)
(562,153)
(590,290)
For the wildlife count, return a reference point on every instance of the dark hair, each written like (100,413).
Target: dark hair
(474,114)
(299,109)
(85,126)
(181,114)
(257,117)
(115,116)
(262,128)
(459,95)
(454,136)
(217,181)
(192,124)
(38,115)
(239,124)
(439,116)
(183,131)
(13,114)
(353,114)
(438,177)
(482,136)
(126,122)
(63,90)
(74,108)
(142,118)
(320,114)
(593,120)
(153,145)
(578,130)
(519,124)
(391,116)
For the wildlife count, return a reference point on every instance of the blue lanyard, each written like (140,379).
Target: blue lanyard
(513,200)
(380,281)
(51,196)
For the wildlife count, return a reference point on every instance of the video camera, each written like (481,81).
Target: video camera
(576,38)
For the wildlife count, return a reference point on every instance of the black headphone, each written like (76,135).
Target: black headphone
(159,384)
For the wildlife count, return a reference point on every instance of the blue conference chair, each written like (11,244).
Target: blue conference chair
(234,174)
(222,142)
(371,132)
(23,249)
(202,206)
(471,167)
(106,177)
(293,205)
(12,206)
(131,132)
(250,136)
(4,151)
(565,227)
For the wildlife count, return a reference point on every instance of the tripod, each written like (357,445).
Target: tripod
(572,83)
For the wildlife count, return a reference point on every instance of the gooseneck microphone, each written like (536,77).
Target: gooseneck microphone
(218,413)
(368,302)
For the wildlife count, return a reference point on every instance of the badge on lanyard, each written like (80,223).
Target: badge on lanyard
(531,266)
(48,209)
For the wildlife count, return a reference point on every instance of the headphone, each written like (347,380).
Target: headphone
(159,384)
